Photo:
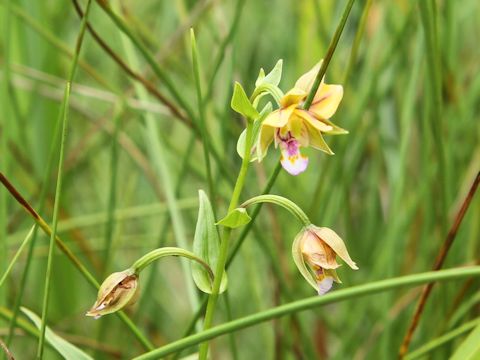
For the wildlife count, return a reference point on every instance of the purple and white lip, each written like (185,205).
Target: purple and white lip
(292,160)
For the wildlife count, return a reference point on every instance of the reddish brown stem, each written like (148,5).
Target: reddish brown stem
(438,265)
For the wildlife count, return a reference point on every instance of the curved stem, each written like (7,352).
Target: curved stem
(156,254)
(281,201)
(310,303)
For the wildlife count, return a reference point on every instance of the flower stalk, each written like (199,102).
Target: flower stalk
(293,208)
(222,259)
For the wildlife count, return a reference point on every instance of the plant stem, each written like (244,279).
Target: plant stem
(201,117)
(64,115)
(280,201)
(310,303)
(156,254)
(328,56)
(222,258)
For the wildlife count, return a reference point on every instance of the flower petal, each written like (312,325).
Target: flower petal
(279,118)
(326,100)
(298,129)
(312,120)
(292,160)
(306,81)
(293,97)
(331,238)
(336,130)
(316,140)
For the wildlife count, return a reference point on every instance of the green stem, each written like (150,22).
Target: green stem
(156,254)
(328,56)
(281,201)
(201,116)
(17,255)
(64,115)
(310,303)
(222,258)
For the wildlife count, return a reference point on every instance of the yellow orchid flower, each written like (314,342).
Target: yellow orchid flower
(292,127)
(318,248)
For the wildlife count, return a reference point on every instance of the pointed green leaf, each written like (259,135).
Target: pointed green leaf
(206,245)
(260,77)
(241,104)
(64,348)
(236,218)
(274,76)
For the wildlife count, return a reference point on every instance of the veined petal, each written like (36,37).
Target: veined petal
(279,118)
(292,160)
(293,97)
(306,81)
(331,238)
(326,101)
(316,140)
(312,120)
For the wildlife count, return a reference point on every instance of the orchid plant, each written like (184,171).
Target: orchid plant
(300,119)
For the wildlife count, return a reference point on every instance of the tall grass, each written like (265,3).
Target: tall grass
(148,126)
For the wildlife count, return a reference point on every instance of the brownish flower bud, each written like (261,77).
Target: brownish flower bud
(119,290)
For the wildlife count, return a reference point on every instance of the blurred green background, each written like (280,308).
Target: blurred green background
(411,104)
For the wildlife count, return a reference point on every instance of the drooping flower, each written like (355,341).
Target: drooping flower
(292,127)
(317,248)
(117,291)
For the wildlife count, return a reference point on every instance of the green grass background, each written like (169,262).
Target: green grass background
(411,104)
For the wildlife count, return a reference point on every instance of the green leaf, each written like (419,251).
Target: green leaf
(273,77)
(241,104)
(469,349)
(64,348)
(236,218)
(206,245)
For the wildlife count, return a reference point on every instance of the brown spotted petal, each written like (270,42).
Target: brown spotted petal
(119,290)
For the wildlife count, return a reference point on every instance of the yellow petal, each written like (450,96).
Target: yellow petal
(279,118)
(315,140)
(293,97)
(306,81)
(331,238)
(326,101)
(312,120)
